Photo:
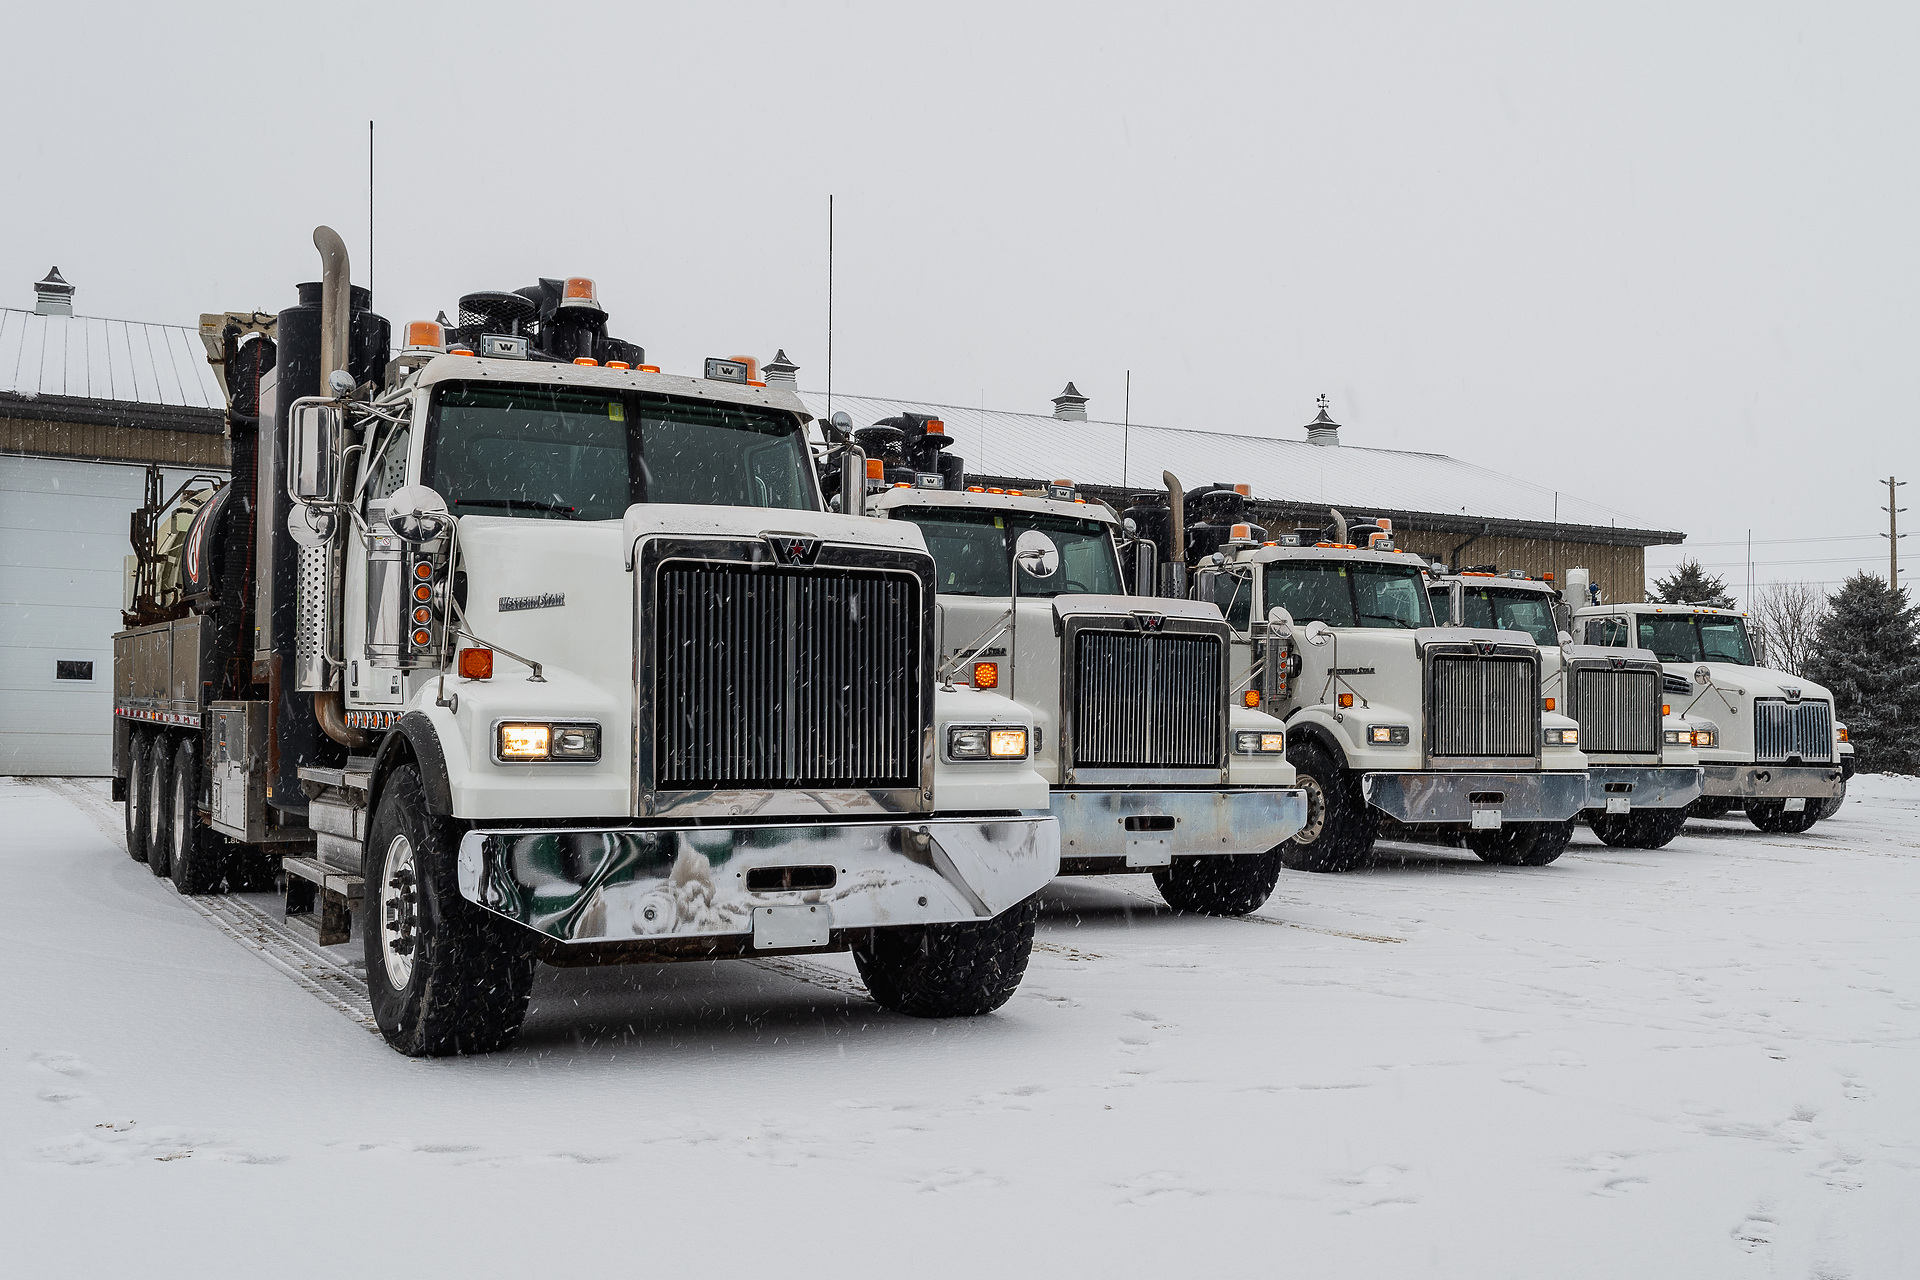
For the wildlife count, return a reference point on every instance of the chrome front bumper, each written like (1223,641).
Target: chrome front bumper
(1476,799)
(657,884)
(1772,781)
(1140,829)
(1624,788)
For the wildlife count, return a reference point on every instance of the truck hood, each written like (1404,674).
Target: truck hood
(1751,682)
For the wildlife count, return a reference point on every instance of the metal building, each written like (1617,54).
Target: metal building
(85,405)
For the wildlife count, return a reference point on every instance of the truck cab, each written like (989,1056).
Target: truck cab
(1154,759)
(559,657)
(1768,741)
(1641,764)
(1397,723)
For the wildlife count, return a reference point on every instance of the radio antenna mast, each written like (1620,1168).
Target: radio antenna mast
(829,306)
(369,206)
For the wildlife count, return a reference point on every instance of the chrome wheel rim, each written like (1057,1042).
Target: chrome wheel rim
(1316,810)
(156,838)
(182,815)
(399,918)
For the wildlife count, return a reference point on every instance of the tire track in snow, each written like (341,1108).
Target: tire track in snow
(310,968)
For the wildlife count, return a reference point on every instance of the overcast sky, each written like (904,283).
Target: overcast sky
(1660,256)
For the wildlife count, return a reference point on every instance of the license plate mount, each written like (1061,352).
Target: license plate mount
(807,924)
(1797,805)
(1619,804)
(1486,819)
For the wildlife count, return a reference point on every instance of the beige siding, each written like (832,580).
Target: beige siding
(116,444)
(1620,571)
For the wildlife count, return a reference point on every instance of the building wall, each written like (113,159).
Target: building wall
(33,436)
(1620,571)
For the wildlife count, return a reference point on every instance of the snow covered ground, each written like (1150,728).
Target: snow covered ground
(1697,1062)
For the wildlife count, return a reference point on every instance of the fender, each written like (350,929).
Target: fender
(1299,728)
(412,738)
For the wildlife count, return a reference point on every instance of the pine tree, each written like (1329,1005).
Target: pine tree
(1868,654)
(1691,584)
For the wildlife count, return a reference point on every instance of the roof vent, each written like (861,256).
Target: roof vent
(1323,429)
(1070,405)
(53,296)
(780,371)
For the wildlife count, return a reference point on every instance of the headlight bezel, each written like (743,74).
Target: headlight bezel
(588,736)
(1705,737)
(985,743)
(1396,735)
(1560,737)
(1259,742)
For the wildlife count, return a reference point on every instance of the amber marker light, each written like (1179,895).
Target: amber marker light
(876,469)
(588,361)
(423,615)
(476,664)
(986,675)
(1547,703)
(1250,699)
(422,570)
(425,333)
(1666,708)
(423,638)
(423,593)
(1346,700)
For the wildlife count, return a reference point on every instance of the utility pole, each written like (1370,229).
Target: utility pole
(1893,534)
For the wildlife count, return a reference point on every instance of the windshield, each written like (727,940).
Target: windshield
(1350,593)
(1696,638)
(1528,611)
(561,454)
(971,552)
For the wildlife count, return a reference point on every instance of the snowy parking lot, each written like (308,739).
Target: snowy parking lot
(1694,1062)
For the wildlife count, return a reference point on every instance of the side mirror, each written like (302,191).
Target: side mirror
(311,526)
(1279,623)
(314,434)
(1317,633)
(1566,638)
(417,514)
(1035,555)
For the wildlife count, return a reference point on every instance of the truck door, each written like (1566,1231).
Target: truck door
(375,586)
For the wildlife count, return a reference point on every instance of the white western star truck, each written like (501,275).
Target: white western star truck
(563,658)
(1155,761)
(1641,764)
(1767,741)
(1396,724)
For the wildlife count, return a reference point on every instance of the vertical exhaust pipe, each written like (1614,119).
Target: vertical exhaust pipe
(336,304)
(336,308)
(1176,584)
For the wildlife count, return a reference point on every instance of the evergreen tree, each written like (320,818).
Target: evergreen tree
(1691,584)
(1868,654)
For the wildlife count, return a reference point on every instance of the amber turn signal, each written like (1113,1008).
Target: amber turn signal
(1250,699)
(476,664)
(986,675)
(1547,703)
(1346,700)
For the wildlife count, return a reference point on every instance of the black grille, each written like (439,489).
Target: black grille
(1484,706)
(1786,730)
(1618,711)
(786,678)
(1148,701)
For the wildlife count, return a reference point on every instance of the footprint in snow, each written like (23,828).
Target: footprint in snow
(1158,1185)
(1756,1233)
(955,1178)
(1620,1186)
(121,1143)
(1379,1175)
(61,1063)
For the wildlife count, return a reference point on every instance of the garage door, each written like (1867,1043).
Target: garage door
(63,543)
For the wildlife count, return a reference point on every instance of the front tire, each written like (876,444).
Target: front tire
(197,852)
(138,799)
(1522,844)
(1641,829)
(1831,805)
(1711,807)
(443,975)
(1772,817)
(948,970)
(1338,835)
(1220,885)
(159,806)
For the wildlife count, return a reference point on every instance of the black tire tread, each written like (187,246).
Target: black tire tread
(1345,841)
(949,970)
(198,853)
(1522,844)
(137,782)
(1220,885)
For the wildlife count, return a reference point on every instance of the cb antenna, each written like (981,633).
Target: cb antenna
(829,306)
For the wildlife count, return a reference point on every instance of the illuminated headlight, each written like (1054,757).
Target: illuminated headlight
(1561,737)
(986,742)
(1389,735)
(1705,737)
(518,741)
(1678,737)
(1260,744)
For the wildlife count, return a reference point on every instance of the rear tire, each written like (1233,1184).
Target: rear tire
(1641,829)
(1772,817)
(1338,835)
(138,819)
(948,970)
(198,853)
(443,975)
(159,805)
(1522,844)
(1220,885)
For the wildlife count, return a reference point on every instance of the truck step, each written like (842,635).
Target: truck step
(321,898)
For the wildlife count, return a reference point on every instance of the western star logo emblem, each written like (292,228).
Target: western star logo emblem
(1485,647)
(1792,691)
(1619,664)
(547,600)
(1151,621)
(791,548)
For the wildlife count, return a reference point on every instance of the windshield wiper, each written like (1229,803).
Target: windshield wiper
(1387,617)
(518,504)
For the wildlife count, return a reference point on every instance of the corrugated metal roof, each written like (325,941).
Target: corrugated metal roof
(87,358)
(1038,446)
